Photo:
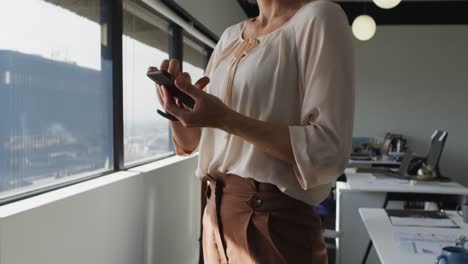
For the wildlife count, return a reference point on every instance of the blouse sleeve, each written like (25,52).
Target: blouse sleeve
(322,142)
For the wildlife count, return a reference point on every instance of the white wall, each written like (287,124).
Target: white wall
(172,206)
(147,215)
(413,80)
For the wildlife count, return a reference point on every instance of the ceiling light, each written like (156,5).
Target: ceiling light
(386,4)
(364,27)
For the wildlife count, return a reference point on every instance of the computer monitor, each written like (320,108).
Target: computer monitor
(435,151)
(386,144)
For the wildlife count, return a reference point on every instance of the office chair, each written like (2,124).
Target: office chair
(326,209)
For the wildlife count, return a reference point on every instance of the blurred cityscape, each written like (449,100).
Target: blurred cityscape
(144,139)
(56,121)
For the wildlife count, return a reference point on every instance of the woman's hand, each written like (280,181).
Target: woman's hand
(209,110)
(173,67)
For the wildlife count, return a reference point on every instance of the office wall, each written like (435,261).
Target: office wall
(144,216)
(172,207)
(413,80)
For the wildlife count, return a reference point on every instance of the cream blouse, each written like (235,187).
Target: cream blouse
(299,75)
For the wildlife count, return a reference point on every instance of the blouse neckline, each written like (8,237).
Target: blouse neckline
(246,22)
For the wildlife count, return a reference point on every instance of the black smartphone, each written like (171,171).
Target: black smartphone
(164,78)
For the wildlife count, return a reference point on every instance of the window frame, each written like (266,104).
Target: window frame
(112,26)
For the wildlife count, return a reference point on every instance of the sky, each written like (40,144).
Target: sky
(40,28)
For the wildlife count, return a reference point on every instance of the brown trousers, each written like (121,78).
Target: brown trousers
(247,222)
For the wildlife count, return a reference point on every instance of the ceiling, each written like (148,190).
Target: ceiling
(215,14)
(407,1)
(408,12)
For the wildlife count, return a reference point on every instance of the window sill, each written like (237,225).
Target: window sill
(161,163)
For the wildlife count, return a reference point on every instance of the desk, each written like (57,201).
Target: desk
(363,190)
(373,163)
(381,231)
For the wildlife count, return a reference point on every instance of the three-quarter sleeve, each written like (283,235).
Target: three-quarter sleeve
(321,143)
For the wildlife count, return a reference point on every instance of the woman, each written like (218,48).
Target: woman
(273,129)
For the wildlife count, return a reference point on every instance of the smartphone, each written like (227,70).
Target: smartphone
(164,78)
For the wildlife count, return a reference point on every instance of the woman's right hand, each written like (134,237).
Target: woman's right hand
(173,67)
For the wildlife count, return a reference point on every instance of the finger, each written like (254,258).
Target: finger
(167,94)
(170,106)
(167,98)
(174,67)
(202,82)
(160,93)
(164,65)
(179,103)
(188,88)
(152,68)
(186,76)
(180,114)
(174,110)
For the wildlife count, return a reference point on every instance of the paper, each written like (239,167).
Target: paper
(419,221)
(388,181)
(423,243)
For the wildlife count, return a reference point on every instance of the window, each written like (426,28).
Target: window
(194,58)
(56,91)
(145,43)
(55,94)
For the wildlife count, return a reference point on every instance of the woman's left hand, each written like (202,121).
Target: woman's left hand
(208,111)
